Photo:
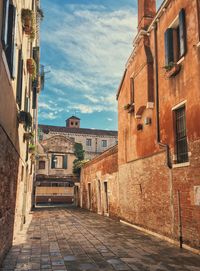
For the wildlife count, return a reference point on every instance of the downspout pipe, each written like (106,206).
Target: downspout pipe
(166,146)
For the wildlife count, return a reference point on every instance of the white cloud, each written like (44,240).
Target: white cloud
(48,116)
(95,43)
(43,105)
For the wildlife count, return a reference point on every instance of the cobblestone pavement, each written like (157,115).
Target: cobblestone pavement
(76,240)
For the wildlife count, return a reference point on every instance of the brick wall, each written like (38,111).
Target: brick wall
(97,172)
(9,159)
(145,193)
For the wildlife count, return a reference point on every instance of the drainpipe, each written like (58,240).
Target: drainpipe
(166,146)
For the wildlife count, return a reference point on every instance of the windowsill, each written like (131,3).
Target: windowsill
(180,60)
(186,164)
(174,70)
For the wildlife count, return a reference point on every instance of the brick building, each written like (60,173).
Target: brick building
(19,88)
(99,185)
(159,131)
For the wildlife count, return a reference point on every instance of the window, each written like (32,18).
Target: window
(41,164)
(89,142)
(104,143)
(175,40)
(59,161)
(132,95)
(20,79)
(8,35)
(72,123)
(181,136)
(76,123)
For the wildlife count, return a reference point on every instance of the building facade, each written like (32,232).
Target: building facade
(94,141)
(19,88)
(158,121)
(56,156)
(55,180)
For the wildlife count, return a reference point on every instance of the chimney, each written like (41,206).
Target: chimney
(146,13)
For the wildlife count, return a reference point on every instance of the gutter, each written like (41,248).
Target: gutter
(121,83)
(166,146)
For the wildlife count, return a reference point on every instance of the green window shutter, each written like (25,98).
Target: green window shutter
(36,57)
(169,48)
(52,161)
(4,34)
(20,79)
(27,104)
(14,44)
(34,102)
(65,161)
(132,90)
(10,49)
(182,33)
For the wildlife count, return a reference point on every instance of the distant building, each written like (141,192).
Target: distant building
(55,180)
(94,141)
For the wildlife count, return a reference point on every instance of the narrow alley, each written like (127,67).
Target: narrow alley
(77,240)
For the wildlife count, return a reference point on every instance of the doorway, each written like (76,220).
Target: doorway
(106,198)
(99,197)
(89,196)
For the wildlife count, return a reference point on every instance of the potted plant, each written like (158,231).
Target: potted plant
(28,22)
(31,67)
(127,106)
(28,136)
(25,118)
(32,157)
(172,69)
(31,148)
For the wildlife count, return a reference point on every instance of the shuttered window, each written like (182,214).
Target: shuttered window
(132,93)
(52,161)
(181,136)
(182,33)
(65,161)
(59,161)
(19,79)
(34,102)
(169,48)
(10,49)
(4,34)
(175,40)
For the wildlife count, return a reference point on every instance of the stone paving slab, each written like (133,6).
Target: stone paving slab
(62,239)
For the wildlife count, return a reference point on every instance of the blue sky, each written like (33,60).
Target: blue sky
(84,47)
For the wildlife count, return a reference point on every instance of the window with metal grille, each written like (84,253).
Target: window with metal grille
(41,164)
(181,136)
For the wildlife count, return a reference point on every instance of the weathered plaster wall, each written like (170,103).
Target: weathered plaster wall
(15,187)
